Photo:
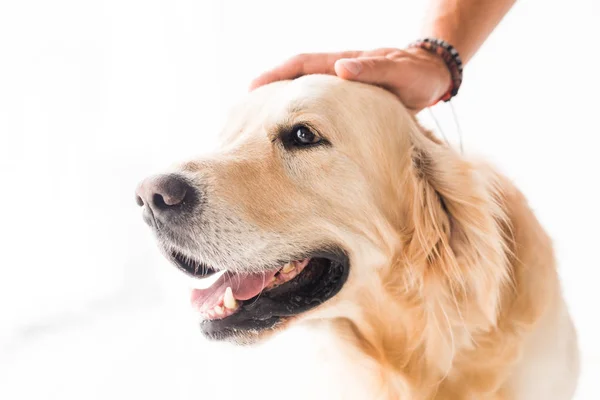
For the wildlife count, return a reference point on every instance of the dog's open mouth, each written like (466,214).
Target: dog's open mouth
(234,302)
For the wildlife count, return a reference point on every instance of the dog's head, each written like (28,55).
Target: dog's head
(303,210)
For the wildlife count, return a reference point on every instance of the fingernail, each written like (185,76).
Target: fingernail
(351,66)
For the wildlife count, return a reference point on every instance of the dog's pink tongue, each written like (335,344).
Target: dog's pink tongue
(247,286)
(243,287)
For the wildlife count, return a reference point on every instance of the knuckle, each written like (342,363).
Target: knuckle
(300,58)
(396,54)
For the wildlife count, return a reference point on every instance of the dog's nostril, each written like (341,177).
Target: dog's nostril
(172,192)
(159,202)
(167,194)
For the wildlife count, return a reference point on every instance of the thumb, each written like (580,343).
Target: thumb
(373,70)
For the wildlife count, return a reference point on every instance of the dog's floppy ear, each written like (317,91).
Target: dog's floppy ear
(457,233)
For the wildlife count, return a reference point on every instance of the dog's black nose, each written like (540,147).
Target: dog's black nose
(165,196)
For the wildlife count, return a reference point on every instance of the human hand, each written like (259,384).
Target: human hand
(417,77)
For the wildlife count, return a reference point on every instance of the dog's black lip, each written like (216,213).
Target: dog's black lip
(201,270)
(272,307)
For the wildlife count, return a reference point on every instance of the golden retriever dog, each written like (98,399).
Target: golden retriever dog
(328,205)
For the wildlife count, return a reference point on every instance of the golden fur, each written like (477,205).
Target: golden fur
(452,281)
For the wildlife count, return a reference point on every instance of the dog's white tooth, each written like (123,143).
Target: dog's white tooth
(205,283)
(287,268)
(228,300)
(219,310)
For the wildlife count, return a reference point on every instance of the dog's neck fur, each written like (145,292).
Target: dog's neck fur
(456,256)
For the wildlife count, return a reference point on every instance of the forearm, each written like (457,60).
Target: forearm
(465,24)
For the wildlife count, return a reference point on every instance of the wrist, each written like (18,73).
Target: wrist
(443,52)
(437,66)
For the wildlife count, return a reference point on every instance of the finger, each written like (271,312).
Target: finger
(303,64)
(380,71)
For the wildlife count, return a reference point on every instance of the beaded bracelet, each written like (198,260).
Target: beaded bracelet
(451,59)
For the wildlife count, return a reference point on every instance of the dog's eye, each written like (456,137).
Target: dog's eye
(303,136)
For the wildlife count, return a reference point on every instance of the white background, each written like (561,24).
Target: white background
(95,95)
